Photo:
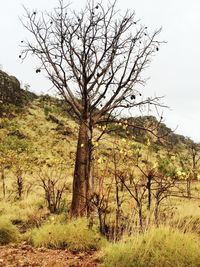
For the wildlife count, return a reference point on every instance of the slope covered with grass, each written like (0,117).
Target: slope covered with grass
(37,154)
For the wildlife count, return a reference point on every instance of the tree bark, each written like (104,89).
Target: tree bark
(3,183)
(156,212)
(149,179)
(19,183)
(81,183)
(189,187)
(140,217)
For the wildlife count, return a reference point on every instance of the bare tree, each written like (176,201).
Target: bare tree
(94,58)
(54,185)
(189,162)
(194,157)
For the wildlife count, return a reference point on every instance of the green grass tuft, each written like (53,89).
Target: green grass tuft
(8,232)
(73,235)
(162,247)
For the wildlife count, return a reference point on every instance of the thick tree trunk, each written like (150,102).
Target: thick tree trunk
(81,182)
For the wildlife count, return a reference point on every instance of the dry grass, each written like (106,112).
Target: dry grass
(163,247)
(73,235)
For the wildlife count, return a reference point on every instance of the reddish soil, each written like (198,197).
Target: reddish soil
(27,256)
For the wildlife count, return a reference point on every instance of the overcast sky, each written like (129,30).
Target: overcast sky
(174,72)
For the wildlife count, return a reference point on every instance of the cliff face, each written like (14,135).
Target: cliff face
(10,91)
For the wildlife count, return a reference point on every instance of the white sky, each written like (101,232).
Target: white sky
(174,71)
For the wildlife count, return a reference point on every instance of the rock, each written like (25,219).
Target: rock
(9,89)
(27,248)
(18,134)
(54,119)
(11,92)
(64,130)
(11,258)
(42,249)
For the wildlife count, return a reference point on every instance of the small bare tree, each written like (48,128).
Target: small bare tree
(95,58)
(54,185)
(192,162)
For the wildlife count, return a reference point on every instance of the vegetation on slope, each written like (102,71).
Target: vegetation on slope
(37,149)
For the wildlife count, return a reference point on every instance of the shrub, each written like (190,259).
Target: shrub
(8,232)
(162,247)
(73,235)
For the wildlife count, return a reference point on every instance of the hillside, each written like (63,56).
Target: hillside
(138,181)
(42,131)
(12,95)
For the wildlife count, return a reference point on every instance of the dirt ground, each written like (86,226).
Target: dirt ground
(27,256)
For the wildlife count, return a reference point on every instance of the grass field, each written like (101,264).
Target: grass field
(37,152)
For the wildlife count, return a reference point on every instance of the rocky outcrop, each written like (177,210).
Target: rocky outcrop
(10,91)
